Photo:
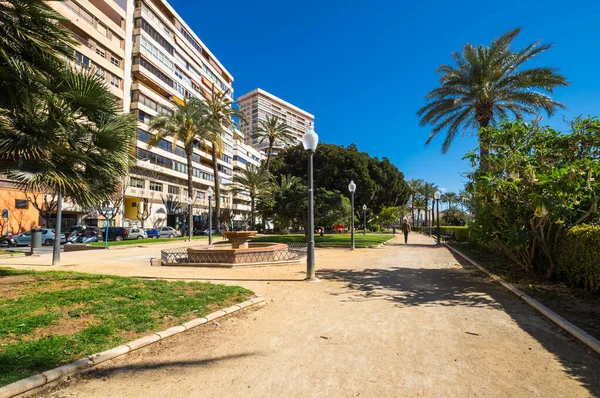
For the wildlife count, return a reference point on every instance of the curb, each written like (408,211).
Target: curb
(567,326)
(57,374)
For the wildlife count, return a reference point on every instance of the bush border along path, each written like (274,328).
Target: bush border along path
(331,240)
(576,332)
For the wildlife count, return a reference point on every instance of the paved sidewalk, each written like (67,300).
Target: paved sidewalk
(403,320)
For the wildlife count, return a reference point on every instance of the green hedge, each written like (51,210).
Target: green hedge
(461,233)
(579,257)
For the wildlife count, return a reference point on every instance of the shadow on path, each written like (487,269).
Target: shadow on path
(467,286)
(167,365)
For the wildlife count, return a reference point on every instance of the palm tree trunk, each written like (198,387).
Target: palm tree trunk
(215,159)
(484,145)
(252,220)
(190,186)
(270,149)
(426,211)
(412,209)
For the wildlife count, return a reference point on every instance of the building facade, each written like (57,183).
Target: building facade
(170,63)
(151,59)
(259,104)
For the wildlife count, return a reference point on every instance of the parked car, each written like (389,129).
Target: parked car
(137,233)
(115,233)
(48,236)
(214,231)
(152,233)
(71,231)
(168,232)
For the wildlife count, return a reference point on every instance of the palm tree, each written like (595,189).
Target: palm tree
(220,114)
(450,198)
(414,186)
(186,124)
(428,190)
(486,85)
(271,130)
(33,45)
(253,181)
(419,204)
(286,181)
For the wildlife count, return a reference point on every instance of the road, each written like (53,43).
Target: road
(403,320)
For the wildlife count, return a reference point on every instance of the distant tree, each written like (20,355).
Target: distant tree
(487,85)
(272,130)
(379,183)
(415,186)
(253,181)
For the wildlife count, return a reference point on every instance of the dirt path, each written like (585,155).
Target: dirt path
(404,320)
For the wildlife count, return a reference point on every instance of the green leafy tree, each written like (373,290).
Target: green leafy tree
(488,84)
(388,215)
(379,182)
(254,182)
(539,182)
(273,130)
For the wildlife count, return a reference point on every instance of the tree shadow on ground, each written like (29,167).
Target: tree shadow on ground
(465,285)
(168,365)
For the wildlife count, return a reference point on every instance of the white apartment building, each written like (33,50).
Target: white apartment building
(100,28)
(150,59)
(258,104)
(170,63)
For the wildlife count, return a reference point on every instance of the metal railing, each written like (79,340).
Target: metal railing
(294,252)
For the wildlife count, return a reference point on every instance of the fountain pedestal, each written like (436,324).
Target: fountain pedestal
(239,239)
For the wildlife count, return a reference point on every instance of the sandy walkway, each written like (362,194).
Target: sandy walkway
(397,321)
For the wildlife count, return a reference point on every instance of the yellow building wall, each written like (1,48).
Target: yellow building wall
(19,219)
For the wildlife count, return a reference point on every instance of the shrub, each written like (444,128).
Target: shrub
(579,257)
(461,234)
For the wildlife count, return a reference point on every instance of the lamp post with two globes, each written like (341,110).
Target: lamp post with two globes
(352,189)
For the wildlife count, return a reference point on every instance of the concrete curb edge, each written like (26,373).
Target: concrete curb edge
(57,374)
(567,326)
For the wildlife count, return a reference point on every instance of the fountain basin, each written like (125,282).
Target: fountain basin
(251,254)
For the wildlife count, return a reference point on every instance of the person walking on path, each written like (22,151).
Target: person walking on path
(405,230)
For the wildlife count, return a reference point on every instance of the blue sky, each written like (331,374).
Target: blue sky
(363,67)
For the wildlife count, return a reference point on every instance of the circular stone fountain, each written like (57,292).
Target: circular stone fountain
(241,251)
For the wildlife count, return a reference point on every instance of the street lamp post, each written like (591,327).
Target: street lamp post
(310,140)
(365,219)
(352,189)
(209,193)
(437,197)
(191,217)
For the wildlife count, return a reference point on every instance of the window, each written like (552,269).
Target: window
(21,204)
(115,61)
(150,49)
(150,103)
(156,186)
(154,70)
(200,195)
(82,60)
(190,39)
(136,182)
(115,81)
(173,190)
(154,34)
(101,72)
(100,51)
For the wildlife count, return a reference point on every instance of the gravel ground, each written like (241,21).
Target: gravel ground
(403,320)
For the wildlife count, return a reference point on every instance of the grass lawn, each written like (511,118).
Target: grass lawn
(3,252)
(52,318)
(146,241)
(341,240)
